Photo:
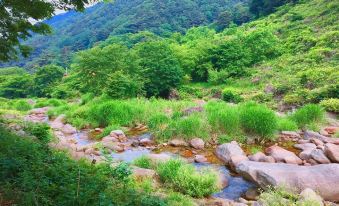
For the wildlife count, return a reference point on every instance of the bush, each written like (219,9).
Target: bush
(310,113)
(22,105)
(39,176)
(258,119)
(39,130)
(186,179)
(190,127)
(49,102)
(123,86)
(231,95)
(223,117)
(285,124)
(143,162)
(331,105)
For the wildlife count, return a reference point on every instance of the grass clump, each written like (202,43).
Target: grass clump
(286,124)
(191,127)
(143,162)
(40,176)
(258,120)
(22,105)
(231,95)
(186,179)
(308,114)
(49,102)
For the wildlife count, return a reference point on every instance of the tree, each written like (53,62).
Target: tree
(224,20)
(15,86)
(160,68)
(45,79)
(18,19)
(95,66)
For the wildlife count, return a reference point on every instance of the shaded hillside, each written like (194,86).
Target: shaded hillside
(77,31)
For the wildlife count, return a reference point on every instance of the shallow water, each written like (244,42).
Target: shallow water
(237,186)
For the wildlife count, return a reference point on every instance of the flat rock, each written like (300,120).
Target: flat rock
(306,146)
(310,134)
(332,152)
(257,157)
(282,155)
(290,134)
(178,143)
(319,156)
(322,178)
(68,129)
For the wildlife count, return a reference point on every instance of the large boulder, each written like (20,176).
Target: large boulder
(322,178)
(332,152)
(319,156)
(282,155)
(230,153)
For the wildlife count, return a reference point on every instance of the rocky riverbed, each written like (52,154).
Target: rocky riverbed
(310,162)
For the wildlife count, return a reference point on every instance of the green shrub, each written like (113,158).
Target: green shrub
(223,117)
(143,162)
(49,102)
(190,127)
(331,105)
(258,119)
(285,124)
(231,95)
(39,130)
(122,86)
(39,176)
(178,199)
(225,139)
(22,105)
(186,179)
(308,114)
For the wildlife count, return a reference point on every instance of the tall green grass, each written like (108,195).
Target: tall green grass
(308,114)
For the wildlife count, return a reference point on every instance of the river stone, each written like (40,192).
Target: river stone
(252,194)
(257,157)
(146,142)
(282,155)
(305,155)
(200,158)
(319,156)
(226,151)
(68,129)
(109,139)
(290,134)
(197,143)
(178,143)
(58,123)
(308,195)
(310,134)
(306,146)
(113,146)
(317,142)
(332,152)
(331,130)
(323,178)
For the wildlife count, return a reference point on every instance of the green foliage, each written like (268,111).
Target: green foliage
(27,165)
(22,105)
(310,113)
(178,199)
(15,86)
(186,179)
(49,102)
(331,105)
(143,162)
(108,130)
(39,130)
(160,68)
(258,119)
(286,124)
(231,95)
(123,86)
(46,78)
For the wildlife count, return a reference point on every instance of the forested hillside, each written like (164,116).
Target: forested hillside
(76,31)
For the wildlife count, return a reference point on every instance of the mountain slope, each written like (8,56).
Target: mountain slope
(77,31)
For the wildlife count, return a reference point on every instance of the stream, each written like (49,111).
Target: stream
(237,185)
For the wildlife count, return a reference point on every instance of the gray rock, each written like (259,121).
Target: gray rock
(308,195)
(322,178)
(282,155)
(226,151)
(197,143)
(178,143)
(306,146)
(332,152)
(319,156)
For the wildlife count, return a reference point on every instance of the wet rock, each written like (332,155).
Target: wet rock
(332,152)
(308,195)
(252,194)
(178,143)
(58,123)
(109,139)
(200,158)
(230,152)
(310,134)
(323,178)
(222,181)
(197,143)
(68,129)
(319,156)
(257,157)
(146,142)
(317,142)
(306,154)
(306,146)
(113,146)
(282,155)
